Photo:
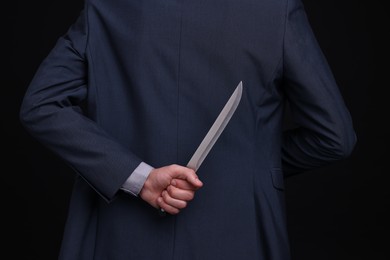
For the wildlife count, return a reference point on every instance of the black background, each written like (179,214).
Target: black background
(338,212)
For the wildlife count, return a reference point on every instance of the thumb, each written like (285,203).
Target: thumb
(194,180)
(189,175)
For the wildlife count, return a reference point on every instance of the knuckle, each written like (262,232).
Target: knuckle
(179,183)
(171,191)
(171,188)
(165,195)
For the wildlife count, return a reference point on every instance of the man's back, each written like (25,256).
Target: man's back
(151,77)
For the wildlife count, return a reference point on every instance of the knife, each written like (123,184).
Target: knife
(216,129)
(214,132)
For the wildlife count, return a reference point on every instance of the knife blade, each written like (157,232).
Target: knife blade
(214,132)
(216,129)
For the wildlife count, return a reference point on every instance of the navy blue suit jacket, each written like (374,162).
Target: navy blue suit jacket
(136,81)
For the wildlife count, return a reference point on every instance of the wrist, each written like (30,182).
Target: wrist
(146,193)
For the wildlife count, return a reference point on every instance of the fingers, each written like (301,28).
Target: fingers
(170,188)
(166,207)
(183,184)
(175,199)
(180,194)
(176,203)
(195,181)
(184,173)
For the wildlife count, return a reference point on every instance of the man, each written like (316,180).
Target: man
(126,96)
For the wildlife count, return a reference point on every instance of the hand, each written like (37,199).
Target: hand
(170,188)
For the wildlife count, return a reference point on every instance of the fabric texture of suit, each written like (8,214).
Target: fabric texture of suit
(135,81)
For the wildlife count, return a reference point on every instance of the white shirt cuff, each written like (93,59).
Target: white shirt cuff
(135,182)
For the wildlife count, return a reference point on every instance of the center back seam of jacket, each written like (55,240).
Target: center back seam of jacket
(177,111)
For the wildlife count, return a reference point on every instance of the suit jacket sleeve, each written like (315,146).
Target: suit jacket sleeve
(51,112)
(325,131)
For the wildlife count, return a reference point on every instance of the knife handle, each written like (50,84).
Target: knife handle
(161,212)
